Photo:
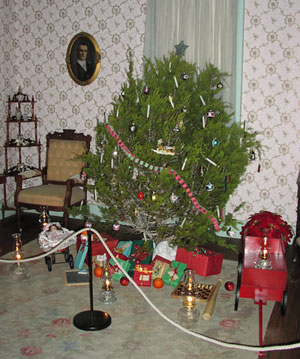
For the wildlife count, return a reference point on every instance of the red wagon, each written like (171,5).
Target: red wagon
(262,279)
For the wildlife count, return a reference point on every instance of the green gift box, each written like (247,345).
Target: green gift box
(174,273)
(117,273)
(141,253)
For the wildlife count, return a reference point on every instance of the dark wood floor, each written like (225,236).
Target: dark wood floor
(280,329)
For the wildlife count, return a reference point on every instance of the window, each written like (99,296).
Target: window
(213,31)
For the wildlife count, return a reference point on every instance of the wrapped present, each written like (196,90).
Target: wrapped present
(100,260)
(81,255)
(116,272)
(160,267)
(123,249)
(203,261)
(141,253)
(97,245)
(174,274)
(142,275)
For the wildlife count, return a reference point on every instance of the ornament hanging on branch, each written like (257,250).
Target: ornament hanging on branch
(140,195)
(132,128)
(209,187)
(173,198)
(116,227)
(154,197)
(210,114)
(115,153)
(146,90)
(164,150)
(252,156)
(184,109)
(185,76)
(215,142)
(176,129)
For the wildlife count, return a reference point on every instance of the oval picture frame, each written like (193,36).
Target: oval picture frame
(85,74)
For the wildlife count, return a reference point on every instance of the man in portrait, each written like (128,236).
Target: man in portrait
(83,68)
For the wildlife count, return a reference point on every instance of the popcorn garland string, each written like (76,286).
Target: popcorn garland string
(159,169)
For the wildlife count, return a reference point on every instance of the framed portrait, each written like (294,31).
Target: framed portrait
(83,58)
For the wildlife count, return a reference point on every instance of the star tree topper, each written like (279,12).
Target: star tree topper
(180,48)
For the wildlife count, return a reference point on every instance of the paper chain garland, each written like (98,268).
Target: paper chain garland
(159,169)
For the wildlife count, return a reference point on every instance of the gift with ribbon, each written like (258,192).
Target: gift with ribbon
(142,274)
(123,249)
(97,246)
(160,266)
(174,273)
(204,262)
(141,253)
(115,271)
(81,255)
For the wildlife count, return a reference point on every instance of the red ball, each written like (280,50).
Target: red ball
(98,271)
(229,286)
(124,281)
(158,283)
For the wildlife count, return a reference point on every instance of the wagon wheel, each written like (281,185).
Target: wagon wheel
(284,302)
(53,258)
(66,254)
(71,261)
(238,283)
(49,264)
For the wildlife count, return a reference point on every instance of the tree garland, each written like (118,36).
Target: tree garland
(159,169)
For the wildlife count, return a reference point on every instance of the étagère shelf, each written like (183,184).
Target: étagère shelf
(20,119)
(20,113)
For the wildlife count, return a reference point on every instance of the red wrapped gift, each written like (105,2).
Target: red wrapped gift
(97,246)
(142,275)
(203,261)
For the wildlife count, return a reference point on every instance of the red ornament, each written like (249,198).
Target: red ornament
(141,195)
(124,281)
(98,271)
(229,286)
(158,283)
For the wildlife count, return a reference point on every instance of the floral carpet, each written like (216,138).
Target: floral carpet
(37,314)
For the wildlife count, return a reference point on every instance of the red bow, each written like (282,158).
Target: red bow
(113,268)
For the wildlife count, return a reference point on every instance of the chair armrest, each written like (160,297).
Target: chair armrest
(22,176)
(77,179)
(29,174)
(69,185)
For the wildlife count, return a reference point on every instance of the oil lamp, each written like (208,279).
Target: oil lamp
(188,316)
(44,218)
(264,261)
(107,296)
(189,283)
(18,270)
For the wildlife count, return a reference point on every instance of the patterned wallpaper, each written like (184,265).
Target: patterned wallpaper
(270,106)
(34,38)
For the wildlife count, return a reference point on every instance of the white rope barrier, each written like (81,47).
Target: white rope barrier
(190,332)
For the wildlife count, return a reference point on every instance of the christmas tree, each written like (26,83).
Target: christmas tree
(167,158)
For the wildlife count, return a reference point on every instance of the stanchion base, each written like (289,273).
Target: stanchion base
(92,320)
